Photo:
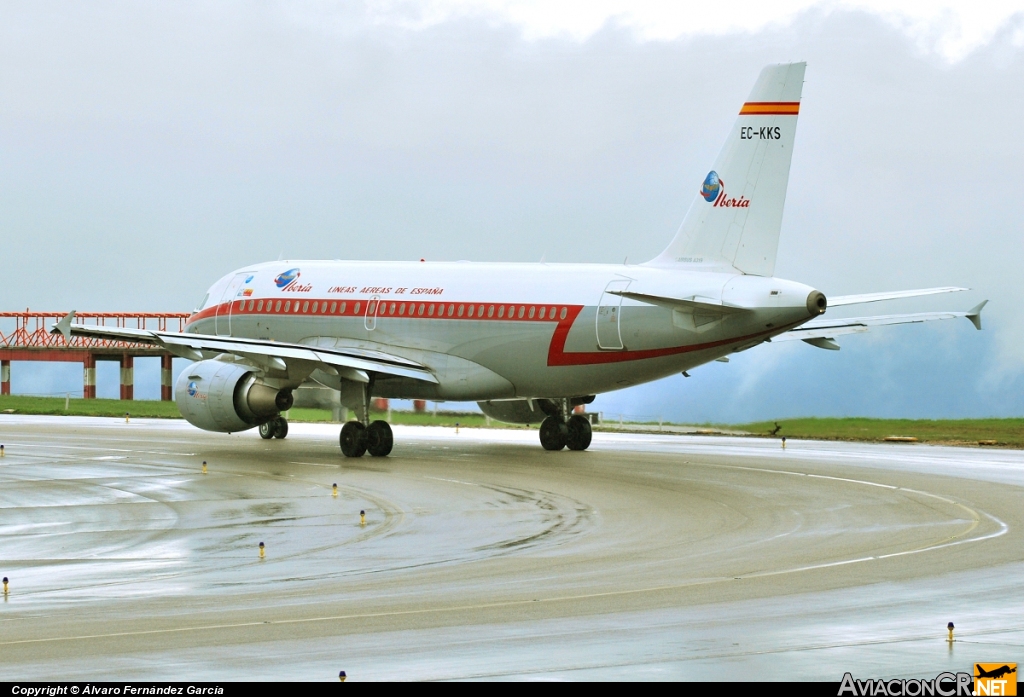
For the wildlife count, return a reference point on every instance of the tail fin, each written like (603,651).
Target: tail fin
(736,217)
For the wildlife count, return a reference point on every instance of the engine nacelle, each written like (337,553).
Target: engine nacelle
(224,397)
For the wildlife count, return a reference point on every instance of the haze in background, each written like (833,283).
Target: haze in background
(148,149)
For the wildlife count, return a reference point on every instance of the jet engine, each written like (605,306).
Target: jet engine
(224,397)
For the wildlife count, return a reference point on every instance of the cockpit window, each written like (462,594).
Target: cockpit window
(203,304)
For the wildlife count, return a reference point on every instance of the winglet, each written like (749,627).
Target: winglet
(64,326)
(975,314)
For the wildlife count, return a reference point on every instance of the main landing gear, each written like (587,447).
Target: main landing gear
(364,436)
(557,432)
(357,439)
(275,428)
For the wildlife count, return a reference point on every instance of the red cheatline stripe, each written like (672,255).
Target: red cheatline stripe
(770,109)
(389,309)
(557,355)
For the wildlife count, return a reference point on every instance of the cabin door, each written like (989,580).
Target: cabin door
(609,311)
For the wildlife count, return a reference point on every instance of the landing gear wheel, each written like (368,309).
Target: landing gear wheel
(267,429)
(553,433)
(281,428)
(379,439)
(353,439)
(580,433)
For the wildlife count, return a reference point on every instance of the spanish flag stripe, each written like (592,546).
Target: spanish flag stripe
(770,109)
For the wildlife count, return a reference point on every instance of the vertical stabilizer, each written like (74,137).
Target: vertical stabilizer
(736,216)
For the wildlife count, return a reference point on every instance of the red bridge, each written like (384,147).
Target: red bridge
(31,341)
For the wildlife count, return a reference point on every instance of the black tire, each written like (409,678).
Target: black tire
(267,429)
(553,433)
(282,428)
(379,439)
(353,439)
(580,433)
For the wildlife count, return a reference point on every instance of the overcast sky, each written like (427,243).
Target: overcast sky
(146,149)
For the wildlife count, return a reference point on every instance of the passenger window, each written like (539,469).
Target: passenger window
(501,312)
(391,310)
(522,309)
(542,311)
(430,310)
(479,310)
(533,311)
(462,310)
(490,311)
(287,305)
(563,313)
(451,310)
(420,311)
(278,307)
(343,307)
(470,313)
(356,308)
(551,314)
(259,307)
(334,306)
(315,306)
(401,309)
(305,306)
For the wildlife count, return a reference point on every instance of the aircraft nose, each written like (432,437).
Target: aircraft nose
(816,302)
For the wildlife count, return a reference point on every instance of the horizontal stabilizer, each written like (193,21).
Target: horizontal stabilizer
(695,302)
(841,300)
(266,354)
(830,328)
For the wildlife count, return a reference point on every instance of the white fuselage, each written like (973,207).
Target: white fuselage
(500,331)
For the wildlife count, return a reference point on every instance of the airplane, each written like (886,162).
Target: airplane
(995,673)
(527,342)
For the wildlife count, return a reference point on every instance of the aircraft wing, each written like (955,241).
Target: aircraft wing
(271,355)
(822,332)
(841,300)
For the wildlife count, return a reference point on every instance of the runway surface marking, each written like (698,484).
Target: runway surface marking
(585,596)
(476,534)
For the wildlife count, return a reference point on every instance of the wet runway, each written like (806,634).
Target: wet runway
(483,556)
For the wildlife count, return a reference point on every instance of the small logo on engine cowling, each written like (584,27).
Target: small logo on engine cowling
(192,389)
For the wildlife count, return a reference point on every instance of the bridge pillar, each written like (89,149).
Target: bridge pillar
(127,377)
(165,377)
(5,377)
(89,378)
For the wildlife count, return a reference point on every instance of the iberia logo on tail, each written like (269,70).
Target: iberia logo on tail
(713,191)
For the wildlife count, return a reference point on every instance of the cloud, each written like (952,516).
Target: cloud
(952,30)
